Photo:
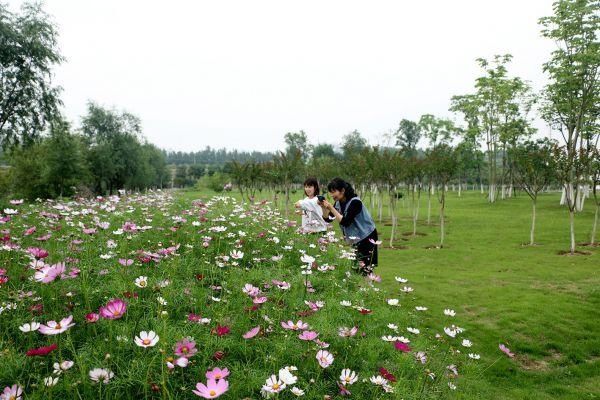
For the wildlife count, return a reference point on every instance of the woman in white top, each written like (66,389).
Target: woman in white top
(312,211)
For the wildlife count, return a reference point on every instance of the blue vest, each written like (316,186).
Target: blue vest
(362,226)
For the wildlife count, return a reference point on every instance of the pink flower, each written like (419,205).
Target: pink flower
(125,262)
(30,231)
(13,392)
(49,273)
(251,333)
(308,335)
(212,389)
(185,348)
(129,227)
(259,300)
(506,350)
(325,358)
(114,309)
(347,332)
(54,328)
(217,373)
(294,326)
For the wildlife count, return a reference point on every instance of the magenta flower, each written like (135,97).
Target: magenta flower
(37,252)
(114,309)
(401,346)
(92,317)
(217,373)
(212,389)
(48,273)
(185,348)
(54,328)
(308,335)
(251,333)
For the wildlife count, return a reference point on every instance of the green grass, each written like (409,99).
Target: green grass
(544,306)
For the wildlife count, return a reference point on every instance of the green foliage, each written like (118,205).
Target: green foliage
(28,51)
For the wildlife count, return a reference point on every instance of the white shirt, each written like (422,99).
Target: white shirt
(312,216)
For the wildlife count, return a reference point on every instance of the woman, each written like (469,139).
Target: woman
(312,212)
(357,225)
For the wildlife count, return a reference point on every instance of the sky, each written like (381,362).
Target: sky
(240,74)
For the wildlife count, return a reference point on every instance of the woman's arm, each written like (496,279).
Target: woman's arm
(332,210)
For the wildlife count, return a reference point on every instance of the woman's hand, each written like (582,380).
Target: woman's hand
(297,204)
(327,205)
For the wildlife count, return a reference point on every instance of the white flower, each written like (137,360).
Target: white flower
(420,308)
(50,381)
(297,392)
(406,289)
(141,281)
(273,385)
(449,312)
(101,375)
(146,339)
(413,330)
(161,301)
(348,377)
(378,380)
(474,356)
(452,386)
(401,280)
(31,327)
(393,302)
(307,259)
(467,343)
(450,332)
(10,211)
(236,254)
(63,366)
(287,377)
(393,327)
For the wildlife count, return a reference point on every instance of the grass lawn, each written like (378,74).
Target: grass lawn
(545,307)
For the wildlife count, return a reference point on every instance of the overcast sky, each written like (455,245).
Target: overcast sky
(240,74)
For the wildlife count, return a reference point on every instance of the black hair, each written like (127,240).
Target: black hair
(339,184)
(314,183)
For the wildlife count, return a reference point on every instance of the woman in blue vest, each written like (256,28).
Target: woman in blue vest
(357,225)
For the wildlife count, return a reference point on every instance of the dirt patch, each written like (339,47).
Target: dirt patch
(416,234)
(433,247)
(576,253)
(589,244)
(396,248)
(530,245)
(543,364)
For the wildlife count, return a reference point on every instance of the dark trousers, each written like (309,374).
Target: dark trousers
(366,253)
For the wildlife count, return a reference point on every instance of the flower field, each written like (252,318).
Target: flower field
(157,297)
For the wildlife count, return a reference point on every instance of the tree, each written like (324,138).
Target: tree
(498,101)
(64,160)
(595,174)
(442,162)
(535,167)
(297,142)
(408,136)
(571,99)
(323,150)
(28,51)
(353,143)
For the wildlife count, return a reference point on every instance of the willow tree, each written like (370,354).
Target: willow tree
(571,98)
(28,52)
(535,170)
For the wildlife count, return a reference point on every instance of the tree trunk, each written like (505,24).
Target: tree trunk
(393,215)
(532,234)
(572,225)
(593,238)
(443,204)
